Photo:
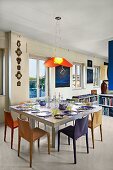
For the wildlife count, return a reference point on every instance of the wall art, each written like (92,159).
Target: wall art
(62,76)
(89,63)
(18,59)
(89,75)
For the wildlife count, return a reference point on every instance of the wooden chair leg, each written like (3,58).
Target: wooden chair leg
(31,145)
(87,145)
(20,116)
(74,150)
(38,143)
(48,136)
(12,132)
(19,140)
(92,132)
(68,140)
(5,133)
(101,131)
(58,141)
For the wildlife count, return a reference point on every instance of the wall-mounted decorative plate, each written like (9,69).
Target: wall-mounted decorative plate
(18,75)
(18,52)
(18,43)
(18,59)
(18,67)
(18,83)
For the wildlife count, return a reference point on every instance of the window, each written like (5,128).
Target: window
(77,75)
(1,72)
(96,76)
(37,78)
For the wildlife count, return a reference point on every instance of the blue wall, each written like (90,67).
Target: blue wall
(110,65)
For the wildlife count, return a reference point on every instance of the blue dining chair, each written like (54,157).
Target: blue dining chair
(79,129)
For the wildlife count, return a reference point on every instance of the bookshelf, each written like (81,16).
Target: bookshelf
(106,101)
(92,98)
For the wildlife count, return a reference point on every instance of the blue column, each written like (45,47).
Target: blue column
(110,65)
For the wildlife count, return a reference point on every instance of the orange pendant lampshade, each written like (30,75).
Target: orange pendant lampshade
(57,61)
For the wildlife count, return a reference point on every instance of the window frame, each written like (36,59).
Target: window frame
(81,76)
(98,76)
(37,58)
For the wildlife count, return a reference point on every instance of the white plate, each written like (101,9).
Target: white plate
(44,114)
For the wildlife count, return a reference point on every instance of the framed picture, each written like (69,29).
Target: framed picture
(62,76)
(89,63)
(89,75)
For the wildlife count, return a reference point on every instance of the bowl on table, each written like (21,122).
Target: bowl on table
(42,103)
(62,106)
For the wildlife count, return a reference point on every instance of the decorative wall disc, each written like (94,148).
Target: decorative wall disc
(18,43)
(18,83)
(18,52)
(18,59)
(18,67)
(18,75)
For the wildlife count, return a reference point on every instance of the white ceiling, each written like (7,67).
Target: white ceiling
(86,25)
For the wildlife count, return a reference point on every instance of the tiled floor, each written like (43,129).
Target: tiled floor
(100,158)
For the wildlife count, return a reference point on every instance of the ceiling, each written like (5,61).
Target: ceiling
(86,25)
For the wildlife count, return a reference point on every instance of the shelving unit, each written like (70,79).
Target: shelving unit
(92,98)
(106,101)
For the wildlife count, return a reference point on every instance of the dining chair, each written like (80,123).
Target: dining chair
(79,129)
(94,92)
(31,135)
(96,121)
(8,121)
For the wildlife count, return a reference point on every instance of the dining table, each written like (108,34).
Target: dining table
(45,115)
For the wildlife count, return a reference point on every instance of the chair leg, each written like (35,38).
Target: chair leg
(12,132)
(101,131)
(58,141)
(68,140)
(92,132)
(5,133)
(19,140)
(48,136)
(31,145)
(74,149)
(87,145)
(38,143)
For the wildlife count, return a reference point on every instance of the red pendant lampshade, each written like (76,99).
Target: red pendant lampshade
(54,62)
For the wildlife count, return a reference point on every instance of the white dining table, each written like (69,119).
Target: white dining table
(51,120)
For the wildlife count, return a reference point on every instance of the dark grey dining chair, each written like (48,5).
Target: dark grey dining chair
(79,129)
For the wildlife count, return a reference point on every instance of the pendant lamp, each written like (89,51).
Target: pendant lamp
(53,62)
(57,61)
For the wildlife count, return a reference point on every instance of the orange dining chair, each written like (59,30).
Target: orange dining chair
(96,121)
(10,123)
(29,134)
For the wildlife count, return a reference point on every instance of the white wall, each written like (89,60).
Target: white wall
(18,93)
(33,47)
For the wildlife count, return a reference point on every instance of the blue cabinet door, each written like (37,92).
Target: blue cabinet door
(110,65)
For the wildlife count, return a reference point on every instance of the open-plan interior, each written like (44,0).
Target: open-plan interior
(56,84)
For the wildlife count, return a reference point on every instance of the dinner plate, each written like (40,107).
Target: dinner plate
(44,114)
(35,111)
(59,116)
(23,109)
(86,107)
(69,113)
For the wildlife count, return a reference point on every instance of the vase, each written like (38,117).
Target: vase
(103,87)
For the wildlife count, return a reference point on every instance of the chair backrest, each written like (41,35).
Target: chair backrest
(93,91)
(81,127)
(24,129)
(97,118)
(8,119)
